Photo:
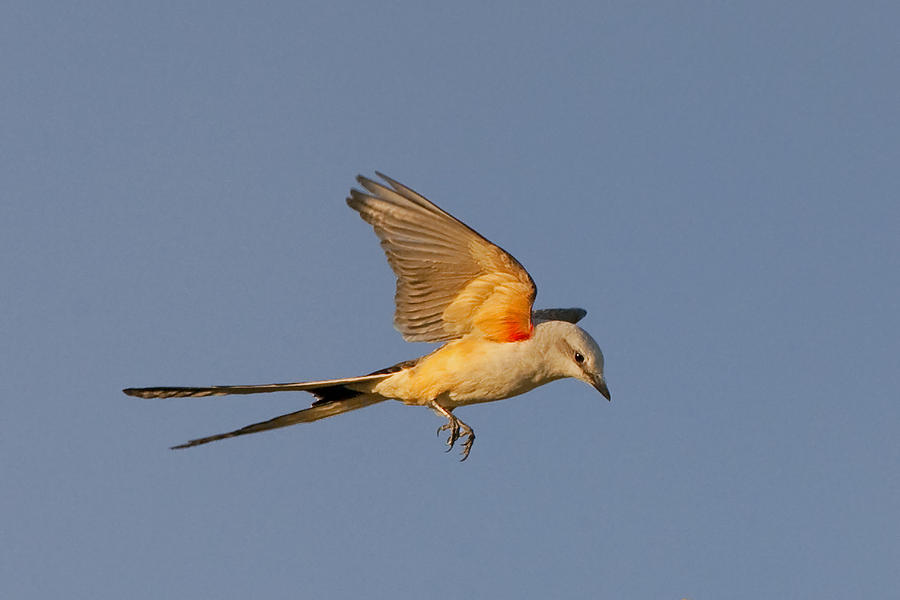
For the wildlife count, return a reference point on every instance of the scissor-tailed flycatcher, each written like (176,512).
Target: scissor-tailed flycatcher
(453,286)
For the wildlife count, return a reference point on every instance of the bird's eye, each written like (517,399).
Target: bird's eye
(579,358)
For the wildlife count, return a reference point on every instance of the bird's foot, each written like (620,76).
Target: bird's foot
(453,427)
(457,430)
(470,440)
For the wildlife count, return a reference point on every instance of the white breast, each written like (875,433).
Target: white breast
(502,371)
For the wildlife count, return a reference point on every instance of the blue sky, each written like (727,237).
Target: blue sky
(716,183)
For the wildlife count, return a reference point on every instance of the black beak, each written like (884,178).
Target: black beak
(600,384)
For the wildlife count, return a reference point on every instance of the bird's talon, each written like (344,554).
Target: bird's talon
(457,430)
(467,445)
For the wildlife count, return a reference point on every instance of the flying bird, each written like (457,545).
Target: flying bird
(453,286)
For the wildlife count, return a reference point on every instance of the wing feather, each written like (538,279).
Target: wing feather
(572,315)
(451,281)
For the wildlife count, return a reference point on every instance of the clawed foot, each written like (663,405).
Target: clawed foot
(454,433)
(467,445)
(457,429)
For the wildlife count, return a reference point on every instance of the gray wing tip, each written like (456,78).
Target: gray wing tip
(571,315)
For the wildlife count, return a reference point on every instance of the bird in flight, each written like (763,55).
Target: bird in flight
(453,286)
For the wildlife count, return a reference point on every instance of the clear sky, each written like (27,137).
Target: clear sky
(718,184)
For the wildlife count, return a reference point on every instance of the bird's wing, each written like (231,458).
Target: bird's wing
(450,280)
(572,315)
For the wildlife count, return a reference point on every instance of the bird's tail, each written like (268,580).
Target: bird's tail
(330,389)
(333,397)
(321,409)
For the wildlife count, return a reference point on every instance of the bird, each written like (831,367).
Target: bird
(454,287)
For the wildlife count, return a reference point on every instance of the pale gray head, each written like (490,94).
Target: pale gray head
(571,352)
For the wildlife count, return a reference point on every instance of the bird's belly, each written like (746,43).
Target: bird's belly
(487,387)
(466,373)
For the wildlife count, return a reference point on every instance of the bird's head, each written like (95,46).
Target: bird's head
(571,352)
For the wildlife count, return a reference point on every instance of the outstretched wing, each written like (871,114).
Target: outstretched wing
(450,280)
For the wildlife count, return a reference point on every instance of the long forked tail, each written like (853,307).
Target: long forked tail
(319,388)
(319,410)
(333,397)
